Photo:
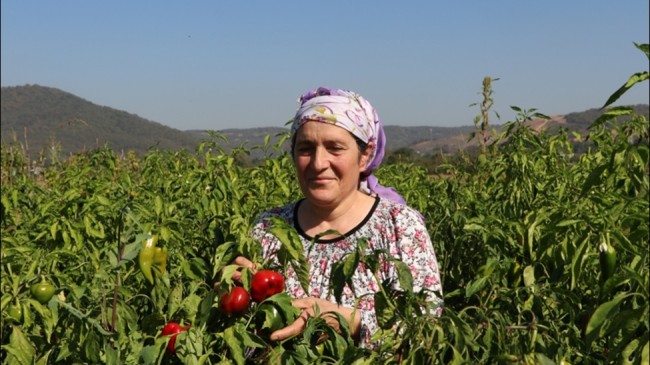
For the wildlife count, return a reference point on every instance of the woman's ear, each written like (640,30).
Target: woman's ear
(366,155)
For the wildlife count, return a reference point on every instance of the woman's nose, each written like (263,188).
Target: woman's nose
(319,159)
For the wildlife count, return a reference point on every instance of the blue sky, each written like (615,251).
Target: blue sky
(241,64)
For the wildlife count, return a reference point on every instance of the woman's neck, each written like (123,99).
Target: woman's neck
(314,219)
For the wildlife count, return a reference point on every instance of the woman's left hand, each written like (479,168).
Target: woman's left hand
(310,306)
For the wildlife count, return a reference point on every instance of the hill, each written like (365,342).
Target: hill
(40,117)
(43,117)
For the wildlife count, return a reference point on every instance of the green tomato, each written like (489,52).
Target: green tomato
(42,292)
(15,312)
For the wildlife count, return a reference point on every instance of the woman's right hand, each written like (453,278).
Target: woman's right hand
(242,262)
(309,307)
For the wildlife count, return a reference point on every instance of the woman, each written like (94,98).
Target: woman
(337,142)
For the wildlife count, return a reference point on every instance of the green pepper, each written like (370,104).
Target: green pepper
(160,260)
(607,258)
(15,312)
(42,292)
(146,257)
(269,319)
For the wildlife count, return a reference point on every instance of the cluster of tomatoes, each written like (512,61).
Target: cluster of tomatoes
(264,284)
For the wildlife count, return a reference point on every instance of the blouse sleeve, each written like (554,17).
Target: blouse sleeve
(269,243)
(408,241)
(413,246)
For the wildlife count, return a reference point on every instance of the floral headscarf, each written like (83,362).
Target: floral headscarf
(353,113)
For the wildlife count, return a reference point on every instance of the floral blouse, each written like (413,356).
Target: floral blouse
(390,226)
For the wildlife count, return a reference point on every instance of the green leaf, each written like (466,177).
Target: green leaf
(611,114)
(603,313)
(19,350)
(249,340)
(473,227)
(569,222)
(593,179)
(64,352)
(46,315)
(153,354)
(175,299)
(131,251)
(342,272)
(235,345)
(158,205)
(6,298)
(643,47)
(543,359)
(54,228)
(104,201)
(91,347)
(577,261)
(404,275)
(383,311)
(43,360)
(475,286)
(224,255)
(350,265)
(292,248)
(191,305)
(634,79)
(627,321)
(112,354)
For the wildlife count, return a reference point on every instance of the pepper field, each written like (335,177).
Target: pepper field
(522,232)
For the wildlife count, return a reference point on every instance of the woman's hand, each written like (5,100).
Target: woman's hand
(243,262)
(236,276)
(309,307)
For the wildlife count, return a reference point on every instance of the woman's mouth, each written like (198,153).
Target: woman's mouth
(320,179)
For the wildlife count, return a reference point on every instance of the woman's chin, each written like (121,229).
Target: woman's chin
(322,199)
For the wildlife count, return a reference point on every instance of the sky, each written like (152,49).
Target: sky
(243,64)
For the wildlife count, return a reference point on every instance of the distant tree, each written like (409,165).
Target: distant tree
(400,155)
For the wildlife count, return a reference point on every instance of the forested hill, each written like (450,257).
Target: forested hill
(43,116)
(40,117)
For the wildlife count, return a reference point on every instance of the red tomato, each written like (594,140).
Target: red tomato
(266,283)
(173,329)
(235,302)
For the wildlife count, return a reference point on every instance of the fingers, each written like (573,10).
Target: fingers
(304,304)
(291,330)
(236,275)
(307,307)
(318,307)
(244,262)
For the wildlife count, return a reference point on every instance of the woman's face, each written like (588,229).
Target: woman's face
(328,163)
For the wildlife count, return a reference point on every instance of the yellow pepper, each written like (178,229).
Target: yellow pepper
(146,257)
(160,260)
